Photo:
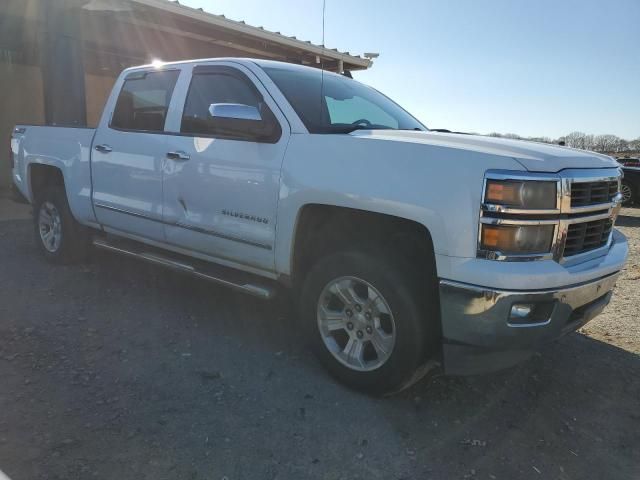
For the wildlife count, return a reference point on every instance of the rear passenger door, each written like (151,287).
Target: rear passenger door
(222,175)
(129,150)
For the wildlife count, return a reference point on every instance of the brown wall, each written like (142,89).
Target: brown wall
(98,88)
(21,100)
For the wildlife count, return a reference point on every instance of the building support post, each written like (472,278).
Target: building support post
(60,56)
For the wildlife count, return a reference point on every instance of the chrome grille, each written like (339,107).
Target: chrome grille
(592,193)
(583,237)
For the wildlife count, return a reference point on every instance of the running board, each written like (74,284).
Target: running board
(224,276)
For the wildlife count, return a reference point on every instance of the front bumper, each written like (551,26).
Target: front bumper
(480,333)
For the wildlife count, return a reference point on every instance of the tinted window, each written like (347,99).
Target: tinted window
(330,103)
(221,87)
(144,101)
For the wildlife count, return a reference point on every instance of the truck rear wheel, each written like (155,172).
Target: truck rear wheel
(58,235)
(367,322)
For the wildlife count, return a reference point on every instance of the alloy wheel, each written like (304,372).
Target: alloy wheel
(50,227)
(625,190)
(356,323)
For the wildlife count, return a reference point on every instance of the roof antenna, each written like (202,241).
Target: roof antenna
(324,7)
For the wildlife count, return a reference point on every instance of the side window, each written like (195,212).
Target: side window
(221,87)
(143,101)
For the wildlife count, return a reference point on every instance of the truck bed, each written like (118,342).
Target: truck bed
(59,147)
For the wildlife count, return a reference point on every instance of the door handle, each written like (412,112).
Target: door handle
(178,156)
(104,148)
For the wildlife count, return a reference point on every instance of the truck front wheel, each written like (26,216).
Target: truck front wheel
(367,321)
(58,235)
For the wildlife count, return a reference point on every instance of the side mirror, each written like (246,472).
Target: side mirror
(235,111)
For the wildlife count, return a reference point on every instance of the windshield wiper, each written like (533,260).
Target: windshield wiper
(444,130)
(353,128)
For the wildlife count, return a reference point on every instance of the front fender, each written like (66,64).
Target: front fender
(435,186)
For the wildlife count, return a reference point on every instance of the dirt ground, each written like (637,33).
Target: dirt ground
(620,323)
(117,370)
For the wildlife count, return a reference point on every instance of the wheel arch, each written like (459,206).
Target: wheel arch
(342,227)
(41,176)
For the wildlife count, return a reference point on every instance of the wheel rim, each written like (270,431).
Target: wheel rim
(50,227)
(356,323)
(625,190)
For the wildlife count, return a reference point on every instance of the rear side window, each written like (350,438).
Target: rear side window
(224,87)
(144,101)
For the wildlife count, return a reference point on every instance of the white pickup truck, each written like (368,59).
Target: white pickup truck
(406,249)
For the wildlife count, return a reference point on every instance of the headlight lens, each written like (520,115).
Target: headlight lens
(517,239)
(528,195)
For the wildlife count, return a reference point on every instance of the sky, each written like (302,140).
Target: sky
(534,68)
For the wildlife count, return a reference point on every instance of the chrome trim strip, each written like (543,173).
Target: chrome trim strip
(491,292)
(127,212)
(493,208)
(186,227)
(529,325)
(206,231)
(592,208)
(510,257)
(521,175)
(511,221)
(586,178)
(587,218)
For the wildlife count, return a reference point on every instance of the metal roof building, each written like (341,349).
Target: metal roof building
(59,59)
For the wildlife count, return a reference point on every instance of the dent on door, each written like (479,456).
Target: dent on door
(222,201)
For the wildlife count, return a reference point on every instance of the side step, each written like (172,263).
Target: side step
(225,276)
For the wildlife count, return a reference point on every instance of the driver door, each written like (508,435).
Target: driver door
(221,177)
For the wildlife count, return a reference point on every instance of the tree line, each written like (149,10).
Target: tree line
(597,143)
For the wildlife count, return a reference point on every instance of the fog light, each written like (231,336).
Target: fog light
(531,314)
(521,311)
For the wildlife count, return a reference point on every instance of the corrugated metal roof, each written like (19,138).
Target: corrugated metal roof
(260,32)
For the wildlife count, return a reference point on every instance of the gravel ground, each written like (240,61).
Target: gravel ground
(619,325)
(117,370)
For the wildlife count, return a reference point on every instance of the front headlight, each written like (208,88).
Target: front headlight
(522,194)
(516,239)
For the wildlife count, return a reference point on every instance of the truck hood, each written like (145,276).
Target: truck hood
(533,156)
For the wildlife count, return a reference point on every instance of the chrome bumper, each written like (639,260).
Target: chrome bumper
(481,334)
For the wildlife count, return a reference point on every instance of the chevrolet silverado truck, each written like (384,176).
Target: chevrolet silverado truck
(408,251)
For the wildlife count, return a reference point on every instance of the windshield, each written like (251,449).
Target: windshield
(344,104)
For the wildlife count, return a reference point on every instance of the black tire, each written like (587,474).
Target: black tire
(414,312)
(74,242)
